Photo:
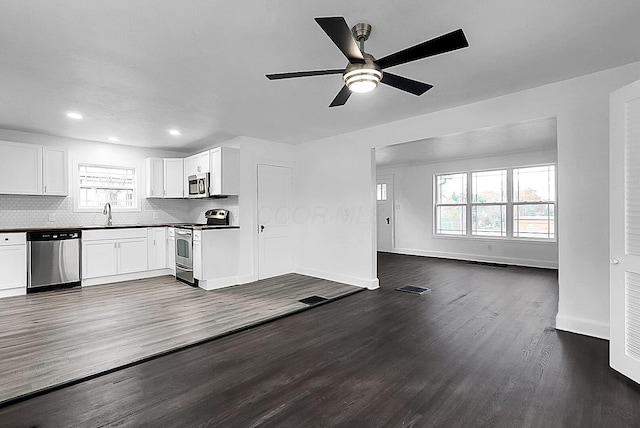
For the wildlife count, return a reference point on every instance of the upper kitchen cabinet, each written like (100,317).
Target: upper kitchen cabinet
(195,164)
(224,171)
(165,178)
(20,168)
(55,172)
(28,169)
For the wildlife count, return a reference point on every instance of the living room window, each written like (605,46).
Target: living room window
(505,203)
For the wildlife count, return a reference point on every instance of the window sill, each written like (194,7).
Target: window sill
(497,239)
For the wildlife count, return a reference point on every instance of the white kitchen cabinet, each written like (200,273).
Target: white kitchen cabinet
(13,264)
(195,164)
(165,177)
(132,255)
(108,252)
(224,171)
(157,247)
(215,257)
(28,169)
(173,177)
(99,258)
(55,172)
(171,249)
(155,177)
(20,168)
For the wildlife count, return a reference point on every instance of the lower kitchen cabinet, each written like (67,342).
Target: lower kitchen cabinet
(157,247)
(113,252)
(171,249)
(215,257)
(13,264)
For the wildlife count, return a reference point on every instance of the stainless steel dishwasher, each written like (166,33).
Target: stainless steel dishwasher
(53,259)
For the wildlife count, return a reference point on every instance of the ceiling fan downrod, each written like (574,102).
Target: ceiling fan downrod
(361,33)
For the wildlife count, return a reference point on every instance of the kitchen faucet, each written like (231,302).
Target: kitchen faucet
(107,212)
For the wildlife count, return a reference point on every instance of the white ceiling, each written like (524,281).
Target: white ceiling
(522,137)
(137,68)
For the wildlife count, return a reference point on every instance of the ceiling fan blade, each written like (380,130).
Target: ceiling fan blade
(339,32)
(341,98)
(408,85)
(445,43)
(278,76)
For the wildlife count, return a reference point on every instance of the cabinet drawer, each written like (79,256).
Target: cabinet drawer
(13,238)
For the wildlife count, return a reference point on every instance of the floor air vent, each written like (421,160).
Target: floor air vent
(313,300)
(488,264)
(413,289)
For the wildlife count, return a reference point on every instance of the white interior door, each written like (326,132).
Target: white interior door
(384,197)
(274,221)
(624,228)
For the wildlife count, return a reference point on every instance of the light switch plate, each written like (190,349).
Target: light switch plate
(52,217)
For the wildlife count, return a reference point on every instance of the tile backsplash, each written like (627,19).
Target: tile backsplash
(19,211)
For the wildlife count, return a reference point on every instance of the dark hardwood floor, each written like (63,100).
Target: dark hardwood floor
(478,350)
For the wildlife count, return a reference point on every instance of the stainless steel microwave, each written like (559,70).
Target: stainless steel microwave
(199,185)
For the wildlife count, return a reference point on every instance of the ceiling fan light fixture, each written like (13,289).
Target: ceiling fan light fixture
(362,79)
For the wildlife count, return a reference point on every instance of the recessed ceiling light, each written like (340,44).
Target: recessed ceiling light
(113,139)
(74,115)
(174,132)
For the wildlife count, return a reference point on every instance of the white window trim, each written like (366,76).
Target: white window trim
(510,204)
(76,188)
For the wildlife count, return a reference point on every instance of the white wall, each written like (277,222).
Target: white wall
(413,215)
(336,172)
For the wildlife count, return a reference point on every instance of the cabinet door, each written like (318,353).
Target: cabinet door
(99,258)
(132,255)
(197,260)
(55,172)
(155,178)
(202,162)
(20,168)
(225,171)
(157,247)
(13,266)
(173,178)
(171,254)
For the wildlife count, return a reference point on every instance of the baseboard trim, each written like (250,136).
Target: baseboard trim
(214,284)
(582,326)
(11,292)
(126,277)
(245,279)
(370,284)
(478,258)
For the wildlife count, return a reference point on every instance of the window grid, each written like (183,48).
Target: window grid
(508,216)
(99,184)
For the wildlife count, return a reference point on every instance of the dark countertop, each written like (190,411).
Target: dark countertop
(116,226)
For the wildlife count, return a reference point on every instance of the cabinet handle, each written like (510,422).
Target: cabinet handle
(45,189)
(115,245)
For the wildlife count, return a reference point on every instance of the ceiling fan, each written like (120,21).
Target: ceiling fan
(364,72)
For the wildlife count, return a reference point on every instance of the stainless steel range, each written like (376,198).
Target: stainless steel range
(184,255)
(184,244)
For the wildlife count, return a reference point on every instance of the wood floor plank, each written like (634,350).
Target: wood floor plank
(60,336)
(479,350)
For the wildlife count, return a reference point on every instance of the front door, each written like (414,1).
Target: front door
(624,231)
(274,221)
(384,197)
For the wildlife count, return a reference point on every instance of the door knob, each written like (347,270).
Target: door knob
(262,228)
(614,261)
(388,220)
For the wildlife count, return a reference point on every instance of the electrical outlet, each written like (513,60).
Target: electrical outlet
(490,247)
(52,218)
(155,216)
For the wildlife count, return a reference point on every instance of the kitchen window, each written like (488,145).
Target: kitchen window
(506,203)
(99,184)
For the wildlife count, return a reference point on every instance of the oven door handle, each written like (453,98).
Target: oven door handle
(183,233)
